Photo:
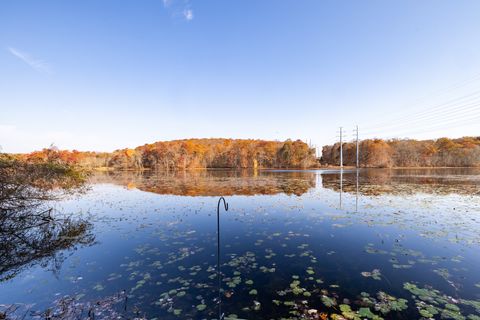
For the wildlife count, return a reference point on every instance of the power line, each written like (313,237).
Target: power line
(457,119)
(443,90)
(428,121)
(451,104)
(453,123)
(469,109)
(454,113)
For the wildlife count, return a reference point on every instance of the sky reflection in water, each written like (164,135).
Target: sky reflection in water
(292,241)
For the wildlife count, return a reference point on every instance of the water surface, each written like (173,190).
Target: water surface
(391,244)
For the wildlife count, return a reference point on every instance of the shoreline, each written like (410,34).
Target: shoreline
(110,169)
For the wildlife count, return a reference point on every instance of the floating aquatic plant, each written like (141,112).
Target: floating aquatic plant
(328,301)
(431,302)
(374,274)
(201,307)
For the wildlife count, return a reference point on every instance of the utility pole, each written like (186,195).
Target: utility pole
(341,166)
(357,145)
(341,149)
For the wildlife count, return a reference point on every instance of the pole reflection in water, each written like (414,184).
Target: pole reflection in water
(318,180)
(225,205)
(341,186)
(356,191)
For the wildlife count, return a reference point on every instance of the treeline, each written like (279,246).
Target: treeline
(378,153)
(191,153)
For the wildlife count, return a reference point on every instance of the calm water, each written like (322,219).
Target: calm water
(395,244)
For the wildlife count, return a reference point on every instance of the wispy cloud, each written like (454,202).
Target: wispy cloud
(36,64)
(179,8)
(188,14)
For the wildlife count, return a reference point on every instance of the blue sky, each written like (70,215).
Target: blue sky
(102,75)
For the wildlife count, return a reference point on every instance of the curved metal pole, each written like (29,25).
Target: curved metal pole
(225,205)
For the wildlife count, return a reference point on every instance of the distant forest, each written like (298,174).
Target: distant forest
(240,153)
(378,153)
(189,154)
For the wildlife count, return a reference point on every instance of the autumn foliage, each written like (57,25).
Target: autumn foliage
(443,152)
(246,154)
(215,153)
(189,154)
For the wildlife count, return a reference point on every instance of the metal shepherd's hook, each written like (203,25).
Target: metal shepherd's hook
(225,204)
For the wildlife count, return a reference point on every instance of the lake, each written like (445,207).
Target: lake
(367,244)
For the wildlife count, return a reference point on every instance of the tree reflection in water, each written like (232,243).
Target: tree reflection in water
(213,182)
(375,182)
(28,238)
(30,232)
(69,308)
